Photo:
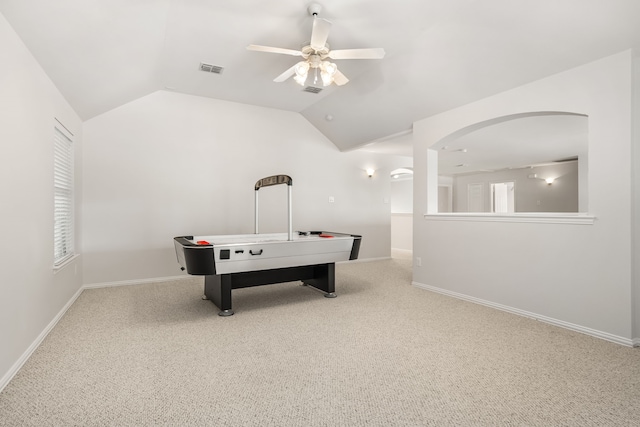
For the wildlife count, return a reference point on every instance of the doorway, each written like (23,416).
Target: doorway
(503,197)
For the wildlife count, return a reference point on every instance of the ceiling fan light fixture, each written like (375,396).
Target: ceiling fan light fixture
(302,71)
(300,79)
(327,72)
(326,79)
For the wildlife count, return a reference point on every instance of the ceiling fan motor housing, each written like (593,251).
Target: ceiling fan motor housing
(309,51)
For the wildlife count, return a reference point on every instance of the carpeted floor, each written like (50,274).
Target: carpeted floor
(383,353)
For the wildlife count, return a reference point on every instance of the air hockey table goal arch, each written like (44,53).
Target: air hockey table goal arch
(230,262)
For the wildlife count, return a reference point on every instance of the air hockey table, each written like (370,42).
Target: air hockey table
(230,262)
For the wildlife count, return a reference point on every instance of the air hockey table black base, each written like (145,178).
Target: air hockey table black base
(218,287)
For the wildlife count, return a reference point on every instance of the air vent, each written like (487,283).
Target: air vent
(312,89)
(211,68)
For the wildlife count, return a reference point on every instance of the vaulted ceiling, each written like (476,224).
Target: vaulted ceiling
(440,54)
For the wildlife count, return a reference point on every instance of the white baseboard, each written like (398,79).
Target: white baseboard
(36,343)
(6,378)
(403,251)
(364,260)
(183,277)
(561,323)
(135,282)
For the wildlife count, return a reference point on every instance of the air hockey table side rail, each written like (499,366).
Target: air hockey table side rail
(205,255)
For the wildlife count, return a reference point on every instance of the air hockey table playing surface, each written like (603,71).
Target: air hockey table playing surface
(225,254)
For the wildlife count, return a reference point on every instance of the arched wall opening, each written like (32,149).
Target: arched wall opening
(541,155)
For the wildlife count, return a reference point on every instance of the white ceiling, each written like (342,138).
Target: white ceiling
(440,53)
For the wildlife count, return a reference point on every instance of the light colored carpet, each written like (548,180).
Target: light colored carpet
(383,353)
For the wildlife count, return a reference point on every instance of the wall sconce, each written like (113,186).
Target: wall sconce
(549,181)
(370,172)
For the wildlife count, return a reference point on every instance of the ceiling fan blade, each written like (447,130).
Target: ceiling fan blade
(270,49)
(284,76)
(374,53)
(340,79)
(319,33)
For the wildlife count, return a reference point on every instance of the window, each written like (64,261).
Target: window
(62,197)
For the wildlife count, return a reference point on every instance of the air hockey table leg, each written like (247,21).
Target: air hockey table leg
(217,288)
(324,279)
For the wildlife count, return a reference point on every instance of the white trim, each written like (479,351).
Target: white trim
(185,276)
(561,323)
(64,129)
(531,217)
(636,342)
(135,282)
(4,381)
(403,251)
(36,343)
(64,196)
(364,260)
(58,267)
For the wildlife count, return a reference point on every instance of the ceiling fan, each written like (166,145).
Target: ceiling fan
(316,53)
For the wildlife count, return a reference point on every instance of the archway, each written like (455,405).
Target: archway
(525,148)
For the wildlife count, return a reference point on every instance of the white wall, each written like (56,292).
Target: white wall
(401,196)
(402,231)
(635,155)
(32,295)
(578,275)
(401,214)
(169,165)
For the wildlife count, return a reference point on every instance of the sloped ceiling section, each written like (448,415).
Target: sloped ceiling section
(440,54)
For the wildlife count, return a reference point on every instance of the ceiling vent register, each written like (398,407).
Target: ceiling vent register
(210,68)
(312,89)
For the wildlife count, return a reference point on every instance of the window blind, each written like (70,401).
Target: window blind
(63,235)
